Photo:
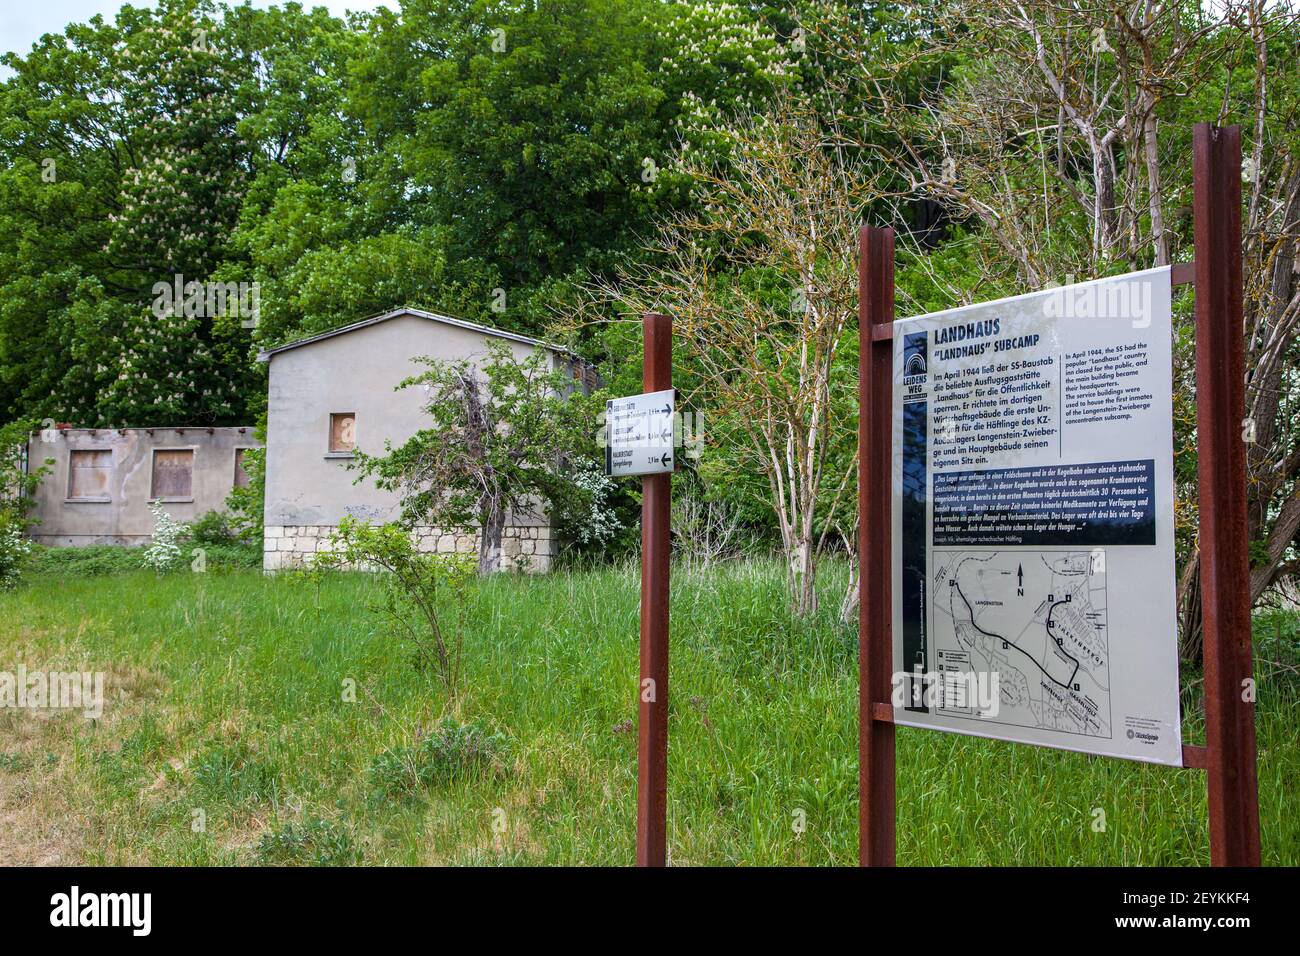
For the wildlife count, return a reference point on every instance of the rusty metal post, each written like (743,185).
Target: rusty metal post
(1221,470)
(876,820)
(652,722)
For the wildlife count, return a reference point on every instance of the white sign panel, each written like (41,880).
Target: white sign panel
(1033,520)
(639,434)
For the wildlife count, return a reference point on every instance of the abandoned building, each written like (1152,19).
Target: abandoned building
(335,393)
(102,480)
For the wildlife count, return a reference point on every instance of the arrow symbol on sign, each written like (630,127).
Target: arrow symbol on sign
(665,459)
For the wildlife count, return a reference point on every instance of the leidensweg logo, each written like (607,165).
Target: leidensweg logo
(915,354)
(134,910)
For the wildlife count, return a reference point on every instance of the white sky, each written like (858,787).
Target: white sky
(23,22)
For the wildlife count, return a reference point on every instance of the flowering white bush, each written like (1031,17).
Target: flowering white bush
(13,548)
(600,523)
(165,550)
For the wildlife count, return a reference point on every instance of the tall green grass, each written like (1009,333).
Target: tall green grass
(232,711)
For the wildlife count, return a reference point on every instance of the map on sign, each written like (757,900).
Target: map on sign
(1032,526)
(1038,620)
(639,434)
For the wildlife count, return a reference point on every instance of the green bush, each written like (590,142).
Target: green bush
(14,549)
(429,589)
(232,556)
(211,528)
(100,559)
(313,842)
(91,560)
(245,504)
(453,752)
(19,479)
(236,773)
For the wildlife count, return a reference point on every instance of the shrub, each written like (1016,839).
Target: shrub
(165,552)
(418,588)
(89,560)
(245,504)
(19,479)
(14,548)
(212,528)
(588,517)
(452,752)
(98,559)
(233,556)
(313,842)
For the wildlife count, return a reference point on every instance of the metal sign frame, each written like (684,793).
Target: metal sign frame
(1229,753)
(652,688)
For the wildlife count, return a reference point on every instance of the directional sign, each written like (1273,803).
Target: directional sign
(639,434)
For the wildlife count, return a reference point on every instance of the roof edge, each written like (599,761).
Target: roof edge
(265,354)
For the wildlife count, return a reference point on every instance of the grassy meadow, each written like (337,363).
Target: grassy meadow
(227,737)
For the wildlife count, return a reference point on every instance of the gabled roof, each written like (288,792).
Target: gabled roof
(265,355)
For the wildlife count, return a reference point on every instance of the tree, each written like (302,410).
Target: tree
(507,438)
(467,156)
(19,479)
(536,136)
(1065,148)
(761,285)
(125,169)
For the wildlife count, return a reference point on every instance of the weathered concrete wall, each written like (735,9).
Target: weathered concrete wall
(120,514)
(308,486)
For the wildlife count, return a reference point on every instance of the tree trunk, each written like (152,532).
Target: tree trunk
(1105,230)
(849,606)
(1191,645)
(803,578)
(1150,148)
(489,546)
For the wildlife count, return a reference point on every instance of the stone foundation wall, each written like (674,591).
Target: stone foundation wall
(523,548)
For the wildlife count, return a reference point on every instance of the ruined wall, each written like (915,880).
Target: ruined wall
(107,501)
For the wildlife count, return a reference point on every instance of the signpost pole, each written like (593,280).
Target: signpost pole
(1221,470)
(876,822)
(652,723)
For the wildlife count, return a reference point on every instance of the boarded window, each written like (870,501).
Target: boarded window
(173,473)
(89,473)
(343,431)
(241,476)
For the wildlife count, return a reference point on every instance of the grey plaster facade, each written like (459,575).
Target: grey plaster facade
(102,479)
(351,376)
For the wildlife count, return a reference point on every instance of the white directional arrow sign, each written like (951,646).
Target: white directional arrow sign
(639,434)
